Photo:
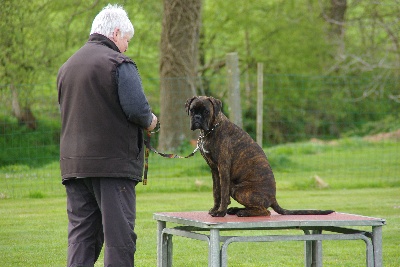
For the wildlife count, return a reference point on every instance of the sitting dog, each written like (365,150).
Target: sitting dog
(239,166)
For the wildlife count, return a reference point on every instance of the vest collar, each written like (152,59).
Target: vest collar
(99,38)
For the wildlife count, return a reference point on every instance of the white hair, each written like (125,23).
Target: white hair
(111,17)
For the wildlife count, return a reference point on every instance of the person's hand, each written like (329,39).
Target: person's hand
(153,123)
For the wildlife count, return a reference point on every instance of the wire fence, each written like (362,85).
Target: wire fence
(297,108)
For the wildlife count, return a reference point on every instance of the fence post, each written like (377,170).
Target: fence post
(260,102)
(235,109)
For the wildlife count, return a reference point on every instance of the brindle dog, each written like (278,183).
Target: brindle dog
(239,166)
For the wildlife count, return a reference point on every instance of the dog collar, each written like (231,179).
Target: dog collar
(208,132)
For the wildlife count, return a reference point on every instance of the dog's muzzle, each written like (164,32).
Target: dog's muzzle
(197,123)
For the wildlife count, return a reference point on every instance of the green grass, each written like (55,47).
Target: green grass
(345,163)
(363,177)
(23,146)
(33,231)
(342,164)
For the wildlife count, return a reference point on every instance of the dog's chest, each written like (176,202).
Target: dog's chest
(208,151)
(203,144)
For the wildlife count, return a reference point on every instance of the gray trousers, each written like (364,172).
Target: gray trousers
(101,210)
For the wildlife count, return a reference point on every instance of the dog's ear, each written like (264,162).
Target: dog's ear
(217,105)
(188,103)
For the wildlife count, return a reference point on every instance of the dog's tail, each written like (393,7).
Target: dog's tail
(283,211)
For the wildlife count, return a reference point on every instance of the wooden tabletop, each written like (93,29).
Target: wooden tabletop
(203,220)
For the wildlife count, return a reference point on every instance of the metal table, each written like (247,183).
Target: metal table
(341,226)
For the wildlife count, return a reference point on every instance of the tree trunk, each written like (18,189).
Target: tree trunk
(178,69)
(336,19)
(337,13)
(24,115)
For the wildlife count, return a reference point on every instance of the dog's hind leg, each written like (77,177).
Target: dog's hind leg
(253,202)
(248,212)
(234,210)
(254,211)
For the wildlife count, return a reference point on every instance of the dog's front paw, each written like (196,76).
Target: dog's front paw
(217,213)
(212,210)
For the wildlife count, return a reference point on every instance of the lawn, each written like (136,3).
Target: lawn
(360,177)
(343,163)
(33,231)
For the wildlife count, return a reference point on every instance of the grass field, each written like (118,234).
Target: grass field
(362,177)
(33,231)
(344,163)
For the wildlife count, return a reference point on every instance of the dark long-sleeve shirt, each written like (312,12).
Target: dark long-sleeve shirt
(131,95)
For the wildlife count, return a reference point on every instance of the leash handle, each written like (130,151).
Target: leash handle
(147,150)
(157,128)
(146,157)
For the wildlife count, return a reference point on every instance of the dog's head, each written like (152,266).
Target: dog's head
(203,111)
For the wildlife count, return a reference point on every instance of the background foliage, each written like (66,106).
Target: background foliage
(287,36)
(315,86)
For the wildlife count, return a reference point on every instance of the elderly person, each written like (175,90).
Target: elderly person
(103,113)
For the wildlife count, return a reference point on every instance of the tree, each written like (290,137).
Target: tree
(335,16)
(19,53)
(367,35)
(178,68)
(32,50)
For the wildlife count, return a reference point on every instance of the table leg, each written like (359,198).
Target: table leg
(313,250)
(161,245)
(169,250)
(317,250)
(377,245)
(214,253)
(307,250)
(316,253)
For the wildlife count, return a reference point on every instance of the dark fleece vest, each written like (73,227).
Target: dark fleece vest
(96,139)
